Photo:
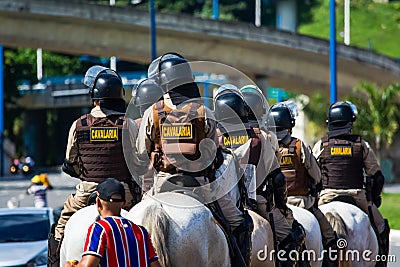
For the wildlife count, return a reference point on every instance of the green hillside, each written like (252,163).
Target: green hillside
(373,26)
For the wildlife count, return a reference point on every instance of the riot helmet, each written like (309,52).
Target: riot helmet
(283,115)
(170,70)
(256,101)
(229,105)
(145,94)
(341,113)
(103,83)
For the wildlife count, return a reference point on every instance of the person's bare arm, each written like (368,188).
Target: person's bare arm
(155,264)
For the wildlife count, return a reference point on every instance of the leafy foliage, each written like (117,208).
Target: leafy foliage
(379,113)
(20,65)
(372,25)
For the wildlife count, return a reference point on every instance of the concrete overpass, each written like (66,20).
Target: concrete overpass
(295,62)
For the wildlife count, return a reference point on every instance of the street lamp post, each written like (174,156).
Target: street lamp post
(215,9)
(153,29)
(257,21)
(1,113)
(113,59)
(346,22)
(332,51)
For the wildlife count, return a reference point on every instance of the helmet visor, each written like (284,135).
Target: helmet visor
(227,88)
(353,108)
(93,72)
(153,69)
(291,106)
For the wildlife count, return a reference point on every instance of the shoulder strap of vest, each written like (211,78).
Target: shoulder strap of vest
(158,113)
(82,121)
(324,141)
(292,145)
(298,148)
(255,146)
(120,120)
(202,122)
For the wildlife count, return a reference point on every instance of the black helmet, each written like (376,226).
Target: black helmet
(146,93)
(170,70)
(103,83)
(282,115)
(229,106)
(341,113)
(255,100)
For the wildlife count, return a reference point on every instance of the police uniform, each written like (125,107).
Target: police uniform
(148,139)
(91,171)
(351,154)
(301,170)
(266,164)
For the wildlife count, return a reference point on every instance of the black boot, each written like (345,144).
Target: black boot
(53,254)
(288,244)
(331,247)
(384,244)
(242,235)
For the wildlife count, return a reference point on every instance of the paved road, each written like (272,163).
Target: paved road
(12,192)
(13,188)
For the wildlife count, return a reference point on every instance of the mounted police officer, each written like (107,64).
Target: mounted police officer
(144,95)
(94,148)
(343,157)
(258,113)
(264,180)
(178,133)
(301,169)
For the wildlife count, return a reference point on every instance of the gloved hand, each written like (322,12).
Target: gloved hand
(377,200)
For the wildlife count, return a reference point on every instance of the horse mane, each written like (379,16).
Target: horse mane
(156,221)
(337,223)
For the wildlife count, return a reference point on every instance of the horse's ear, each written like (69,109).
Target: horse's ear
(92,198)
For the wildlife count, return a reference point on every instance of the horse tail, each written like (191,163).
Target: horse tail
(156,221)
(337,223)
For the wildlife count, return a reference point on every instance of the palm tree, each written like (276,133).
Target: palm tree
(379,110)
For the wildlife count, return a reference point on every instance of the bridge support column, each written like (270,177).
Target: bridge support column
(35,135)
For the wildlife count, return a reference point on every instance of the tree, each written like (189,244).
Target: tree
(379,113)
(20,65)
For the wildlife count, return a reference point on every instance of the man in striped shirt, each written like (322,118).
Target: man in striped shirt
(114,241)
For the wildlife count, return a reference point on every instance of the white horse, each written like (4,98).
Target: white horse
(75,233)
(353,226)
(185,233)
(313,234)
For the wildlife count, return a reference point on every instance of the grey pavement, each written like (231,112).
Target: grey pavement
(13,190)
(391,188)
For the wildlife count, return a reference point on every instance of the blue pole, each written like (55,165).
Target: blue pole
(1,112)
(279,97)
(215,9)
(332,51)
(153,29)
(206,94)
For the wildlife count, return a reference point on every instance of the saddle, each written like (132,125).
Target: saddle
(346,199)
(184,184)
(188,185)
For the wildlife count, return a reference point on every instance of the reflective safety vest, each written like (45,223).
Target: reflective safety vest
(177,133)
(297,177)
(342,162)
(99,143)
